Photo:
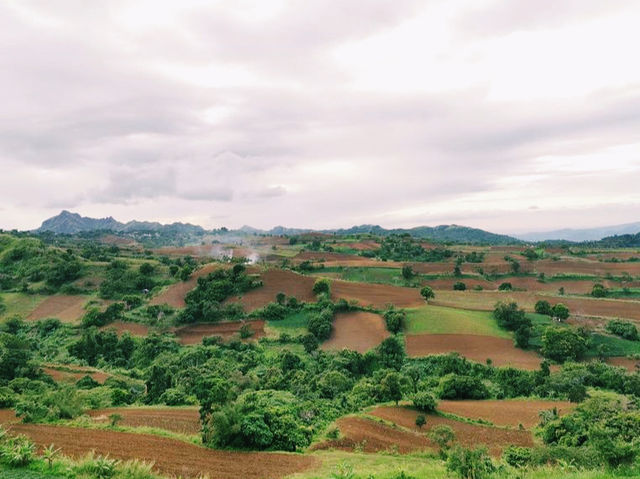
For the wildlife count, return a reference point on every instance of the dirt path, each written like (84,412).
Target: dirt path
(171,457)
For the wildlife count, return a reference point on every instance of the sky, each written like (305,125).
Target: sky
(511,115)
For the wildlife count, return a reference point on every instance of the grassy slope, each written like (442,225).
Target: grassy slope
(20,303)
(443,320)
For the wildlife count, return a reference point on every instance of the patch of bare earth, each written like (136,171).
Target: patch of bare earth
(474,347)
(194,333)
(359,331)
(275,281)
(74,373)
(67,308)
(467,434)
(180,420)
(175,293)
(376,295)
(170,457)
(135,329)
(632,365)
(504,412)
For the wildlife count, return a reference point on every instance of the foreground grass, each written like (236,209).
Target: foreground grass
(444,320)
(20,304)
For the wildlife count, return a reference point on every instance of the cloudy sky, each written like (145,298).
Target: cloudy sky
(510,115)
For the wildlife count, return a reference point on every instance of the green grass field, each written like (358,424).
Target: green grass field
(443,320)
(294,324)
(20,304)
(614,345)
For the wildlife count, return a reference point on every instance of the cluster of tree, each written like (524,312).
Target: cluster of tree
(474,257)
(394,320)
(532,254)
(558,311)
(121,279)
(512,318)
(624,329)
(205,301)
(599,291)
(406,248)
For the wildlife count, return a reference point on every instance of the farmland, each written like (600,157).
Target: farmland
(308,361)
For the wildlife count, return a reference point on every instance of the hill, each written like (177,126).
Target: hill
(72,223)
(587,234)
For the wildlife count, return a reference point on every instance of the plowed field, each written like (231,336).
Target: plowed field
(175,293)
(180,420)
(477,348)
(359,331)
(66,308)
(378,295)
(194,333)
(171,457)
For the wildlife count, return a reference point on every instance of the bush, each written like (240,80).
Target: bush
(624,329)
(560,311)
(505,287)
(394,320)
(599,291)
(454,386)
(427,293)
(321,286)
(510,317)
(320,327)
(17,451)
(443,436)
(459,286)
(543,307)
(470,463)
(424,401)
(562,344)
(517,456)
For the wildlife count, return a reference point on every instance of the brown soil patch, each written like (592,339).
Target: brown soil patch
(359,331)
(175,293)
(376,295)
(74,373)
(362,245)
(170,457)
(586,267)
(135,329)
(66,308)
(373,436)
(275,281)
(180,420)
(342,259)
(504,413)
(7,416)
(468,435)
(194,333)
(632,365)
(474,347)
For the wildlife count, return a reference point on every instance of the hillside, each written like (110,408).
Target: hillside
(587,234)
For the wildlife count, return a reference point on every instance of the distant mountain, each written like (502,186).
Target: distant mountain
(587,234)
(454,233)
(71,223)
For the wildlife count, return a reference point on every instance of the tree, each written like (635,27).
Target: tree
(407,272)
(421,420)
(394,320)
(146,269)
(443,436)
(459,286)
(599,291)
(458,386)
(391,388)
(515,267)
(510,317)
(391,353)
(562,344)
(309,342)
(427,293)
(624,329)
(505,287)
(424,401)
(522,336)
(543,307)
(457,272)
(560,311)
(321,286)
(281,298)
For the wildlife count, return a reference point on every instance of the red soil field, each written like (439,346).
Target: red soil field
(359,331)
(275,281)
(631,365)
(474,347)
(369,245)
(74,373)
(468,435)
(170,457)
(341,259)
(7,416)
(505,412)
(378,295)
(135,329)
(586,267)
(180,420)
(486,300)
(193,333)
(66,308)
(198,251)
(373,436)
(175,293)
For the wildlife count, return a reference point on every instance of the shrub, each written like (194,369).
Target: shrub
(320,327)
(421,420)
(599,291)
(560,311)
(424,401)
(517,456)
(454,386)
(394,320)
(427,293)
(459,286)
(321,286)
(543,307)
(443,436)
(562,344)
(17,451)
(510,317)
(470,463)
(505,287)
(624,329)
